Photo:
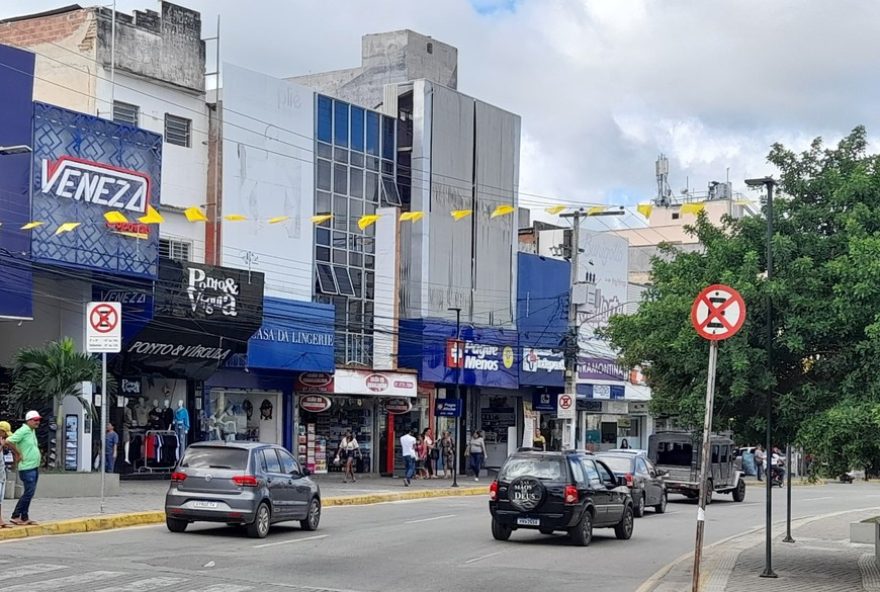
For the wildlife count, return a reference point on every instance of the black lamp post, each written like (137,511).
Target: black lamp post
(457,396)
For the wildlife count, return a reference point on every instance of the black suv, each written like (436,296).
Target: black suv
(559,491)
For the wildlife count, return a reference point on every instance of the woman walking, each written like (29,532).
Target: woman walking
(447,449)
(477,450)
(349,450)
(430,453)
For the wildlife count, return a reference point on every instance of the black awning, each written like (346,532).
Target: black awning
(202,315)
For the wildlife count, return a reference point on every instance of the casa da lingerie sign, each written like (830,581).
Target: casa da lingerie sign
(280,335)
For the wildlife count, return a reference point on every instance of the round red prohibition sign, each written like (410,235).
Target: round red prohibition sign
(718,312)
(565,401)
(103,319)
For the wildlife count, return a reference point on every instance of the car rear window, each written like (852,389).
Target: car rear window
(206,457)
(675,453)
(618,464)
(548,469)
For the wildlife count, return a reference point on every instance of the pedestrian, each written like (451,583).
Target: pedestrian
(421,457)
(624,444)
(5,432)
(431,453)
(408,451)
(539,442)
(111,442)
(447,446)
(25,439)
(477,450)
(348,452)
(759,461)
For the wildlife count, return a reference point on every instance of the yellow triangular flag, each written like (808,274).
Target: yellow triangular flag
(32,225)
(235,217)
(66,227)
(367,220)
(115,217)
(645,210)
(321,218)
(411,216)
(151,217)
(459,214)
(195,214)
(596,210)
(278,219)
(692,208)
(502,211)
(554,210)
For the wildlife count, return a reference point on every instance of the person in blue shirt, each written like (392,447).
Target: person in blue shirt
(111,443)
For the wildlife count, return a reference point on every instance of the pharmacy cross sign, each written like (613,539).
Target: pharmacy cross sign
(718,312)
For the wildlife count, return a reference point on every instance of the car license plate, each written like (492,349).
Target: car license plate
(205,505)
(528,522)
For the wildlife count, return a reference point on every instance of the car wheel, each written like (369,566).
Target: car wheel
(624,529)
(314,518)
(259,528)
(176,524)
(739,494)
(640,506)
(661,507)
(582,533)
(500,532)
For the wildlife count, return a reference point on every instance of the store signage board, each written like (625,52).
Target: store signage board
(398,406)
(448,408)
(103,327)
(566,407)
(314,403)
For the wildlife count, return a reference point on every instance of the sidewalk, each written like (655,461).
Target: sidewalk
(820,560)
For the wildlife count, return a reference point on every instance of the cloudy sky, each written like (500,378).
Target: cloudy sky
(603,86)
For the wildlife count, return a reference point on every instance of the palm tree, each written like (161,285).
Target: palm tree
(43,376)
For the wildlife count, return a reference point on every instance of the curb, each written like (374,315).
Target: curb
(114,521)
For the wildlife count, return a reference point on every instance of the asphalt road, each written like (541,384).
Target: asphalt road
(427,545)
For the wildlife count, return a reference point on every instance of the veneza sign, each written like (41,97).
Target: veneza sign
(96,183)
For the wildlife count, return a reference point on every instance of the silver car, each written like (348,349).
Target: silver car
(241,483)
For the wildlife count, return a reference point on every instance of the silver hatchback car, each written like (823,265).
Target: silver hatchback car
(241,483)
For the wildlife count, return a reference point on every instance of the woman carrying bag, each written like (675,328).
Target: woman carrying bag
(349,451)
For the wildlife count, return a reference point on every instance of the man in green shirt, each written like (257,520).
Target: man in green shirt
(25,439)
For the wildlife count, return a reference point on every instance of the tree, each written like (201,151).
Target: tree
(825,294)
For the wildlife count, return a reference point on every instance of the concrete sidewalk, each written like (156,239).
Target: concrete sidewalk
(820,560)
(142,502)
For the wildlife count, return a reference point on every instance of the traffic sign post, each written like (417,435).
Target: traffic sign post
(717,314)
(565,406)
(103,336)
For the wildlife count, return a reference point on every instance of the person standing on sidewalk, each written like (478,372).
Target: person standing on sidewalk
(408,450)
(111,443)
(477,450)
(25,439)
(759,461)
(5,432)
(348,453)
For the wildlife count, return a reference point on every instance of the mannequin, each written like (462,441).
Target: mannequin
(141,413)
(167,416)
(225,423)
(181,426)
(127,423)
(155,416)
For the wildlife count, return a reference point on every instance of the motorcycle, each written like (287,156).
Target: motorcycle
(777,477)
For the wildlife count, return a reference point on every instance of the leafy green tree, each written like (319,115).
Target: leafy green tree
(825,292)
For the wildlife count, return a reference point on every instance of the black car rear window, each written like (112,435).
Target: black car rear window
(618,464)
(206,457)
(548,469)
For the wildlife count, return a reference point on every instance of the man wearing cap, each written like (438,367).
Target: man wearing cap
(25,439)
(5,432)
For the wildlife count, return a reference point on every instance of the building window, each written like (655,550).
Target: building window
(325,119)
(175,249)
(675,215)
(125,113)
(430,47)
(326,281)
(177,130)
(389,191)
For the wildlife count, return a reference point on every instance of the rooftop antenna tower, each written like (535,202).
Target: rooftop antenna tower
(664,192)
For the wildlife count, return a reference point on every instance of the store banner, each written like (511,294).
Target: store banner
(542,367)
(544,402)
(601,391)
(482,356)
(591,369)
(16,119)
(136,299)
(85,166)
(367,382)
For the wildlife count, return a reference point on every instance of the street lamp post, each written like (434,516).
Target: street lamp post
(769,183)
(457,396)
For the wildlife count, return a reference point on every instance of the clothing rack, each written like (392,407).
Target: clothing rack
(160,468)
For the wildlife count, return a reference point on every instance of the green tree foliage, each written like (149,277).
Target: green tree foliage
(826,302)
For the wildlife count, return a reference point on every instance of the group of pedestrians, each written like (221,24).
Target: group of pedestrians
(22,451)
(424,457)
(776,460)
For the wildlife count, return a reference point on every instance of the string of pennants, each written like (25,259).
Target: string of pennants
(195,214)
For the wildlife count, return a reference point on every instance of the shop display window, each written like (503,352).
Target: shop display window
(251,416)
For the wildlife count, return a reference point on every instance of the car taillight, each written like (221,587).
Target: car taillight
(629,479)
(245,480)
(571,494)
(493,491)
(178,477)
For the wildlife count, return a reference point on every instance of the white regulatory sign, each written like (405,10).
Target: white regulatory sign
(103,327)
(565,407)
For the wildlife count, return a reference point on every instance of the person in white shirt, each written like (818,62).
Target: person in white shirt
(348,452)
(408,450)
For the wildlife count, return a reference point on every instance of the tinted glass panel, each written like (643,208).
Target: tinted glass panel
(343,281)
(322,254)
(389,191)
(388,147)
(325,150)
(324,125)
(590,470)
(604,474)
(550,469)
(373,133)
(340,123)
(357,129)
(206,457)
(371,188)
(340,179)
(323,174)
(326,281)
(675,453)
(356,182)
(322,236)
(288,465)
(271,460)
(618,464)
(578,472)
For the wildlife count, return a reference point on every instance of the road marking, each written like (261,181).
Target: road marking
(144,585)
(224,588)
(25,570)
(313,538)
(475,559)
(65,582)
(430,519)
(816,499)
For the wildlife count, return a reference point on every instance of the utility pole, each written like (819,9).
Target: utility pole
(571,343)
(458,445)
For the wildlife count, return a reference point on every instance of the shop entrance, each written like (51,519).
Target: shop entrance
(327,428)
(244,415)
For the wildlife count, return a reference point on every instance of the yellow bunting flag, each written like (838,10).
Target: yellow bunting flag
(32,225)
(321,218)
(411,216)
(502,211)
(66,227)
(555,210)
(645,210)
(115,217)
(195,215)
(596,210)
(235,218)
(367,220)
(278,219)
(692,208)
(459,214)
(151,217)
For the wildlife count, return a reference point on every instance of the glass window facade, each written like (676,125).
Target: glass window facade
(352,146)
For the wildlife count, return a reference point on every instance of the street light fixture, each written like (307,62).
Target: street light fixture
(17,149)
(769,183)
